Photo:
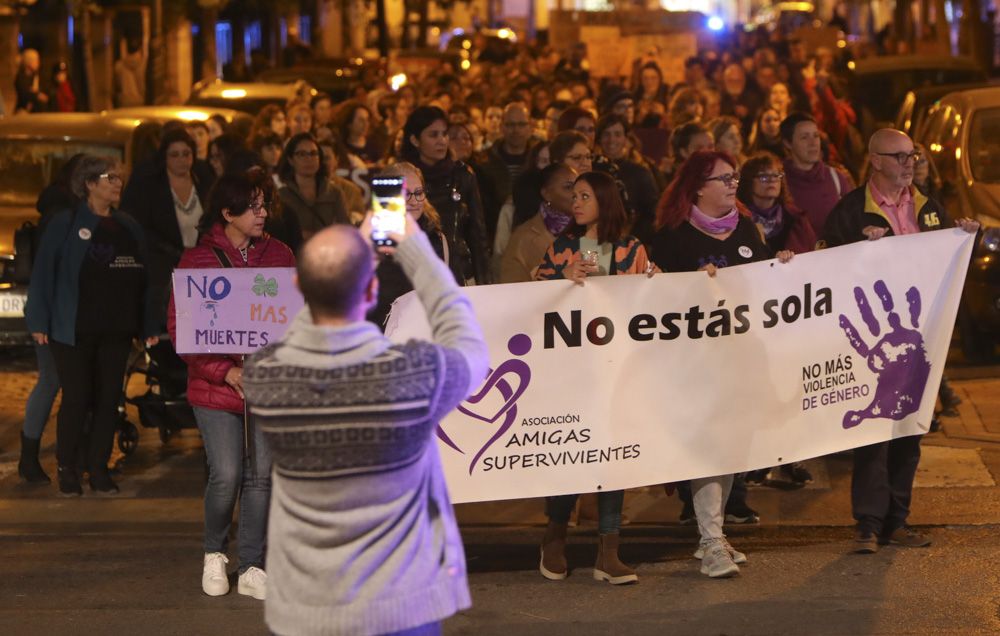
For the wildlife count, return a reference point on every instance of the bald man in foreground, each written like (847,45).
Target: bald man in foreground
(889,204)
(362,536)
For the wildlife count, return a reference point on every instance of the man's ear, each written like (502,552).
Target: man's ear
(371,294)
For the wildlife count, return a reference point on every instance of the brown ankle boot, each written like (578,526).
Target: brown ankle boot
(608,567)
(553,563)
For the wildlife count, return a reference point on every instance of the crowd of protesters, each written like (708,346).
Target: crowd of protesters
(527,169)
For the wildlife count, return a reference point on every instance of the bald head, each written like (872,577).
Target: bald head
(892,160)
(889,140)
(335,268)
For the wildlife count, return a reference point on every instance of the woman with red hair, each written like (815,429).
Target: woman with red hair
(701,227)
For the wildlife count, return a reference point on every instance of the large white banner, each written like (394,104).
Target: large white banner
(630,380)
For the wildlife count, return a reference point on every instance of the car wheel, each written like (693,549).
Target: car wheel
(977,345)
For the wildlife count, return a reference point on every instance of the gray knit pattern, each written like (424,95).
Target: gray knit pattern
(367,417)
(362,538)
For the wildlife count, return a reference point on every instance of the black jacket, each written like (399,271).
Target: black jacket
(148,200)
(393,282)
(857,210)
(454,192)
(643,196)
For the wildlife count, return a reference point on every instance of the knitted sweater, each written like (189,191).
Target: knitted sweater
(362,537)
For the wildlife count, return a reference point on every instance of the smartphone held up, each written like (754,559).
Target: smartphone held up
(388,210)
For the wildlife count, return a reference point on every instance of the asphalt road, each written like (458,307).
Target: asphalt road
(131,564)
(798,581)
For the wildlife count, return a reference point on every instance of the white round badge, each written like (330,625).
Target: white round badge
(84,233)
(745,251)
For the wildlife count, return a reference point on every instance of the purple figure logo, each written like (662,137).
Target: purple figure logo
(899,359)
(518,345)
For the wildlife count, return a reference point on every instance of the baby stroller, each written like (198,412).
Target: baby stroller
(164,405)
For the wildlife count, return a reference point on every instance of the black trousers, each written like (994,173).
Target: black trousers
(882,484)
(91,373)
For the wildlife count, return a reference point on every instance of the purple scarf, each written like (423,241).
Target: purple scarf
(555,222)
(771,219)
(708,224)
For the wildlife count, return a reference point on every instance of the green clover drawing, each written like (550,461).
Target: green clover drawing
(263,287)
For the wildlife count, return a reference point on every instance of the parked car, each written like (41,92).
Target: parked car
(238,119)
(877,85)
(962,135)
(248,97)
(337,77)
(913,111)
(33,148)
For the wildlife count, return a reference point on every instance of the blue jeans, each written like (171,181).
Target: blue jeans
(609,509)
(39,406)
(230,476)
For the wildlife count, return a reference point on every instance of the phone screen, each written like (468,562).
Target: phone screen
(388,209)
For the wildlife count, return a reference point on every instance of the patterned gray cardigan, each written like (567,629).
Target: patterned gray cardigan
(362,535)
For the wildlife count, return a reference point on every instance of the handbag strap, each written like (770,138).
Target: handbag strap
(221,255)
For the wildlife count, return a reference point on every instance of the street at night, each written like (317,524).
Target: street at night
(423,317)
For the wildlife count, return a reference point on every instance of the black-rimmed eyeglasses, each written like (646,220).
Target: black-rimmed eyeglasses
(902,158)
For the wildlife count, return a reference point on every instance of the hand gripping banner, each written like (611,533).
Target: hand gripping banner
(630,380)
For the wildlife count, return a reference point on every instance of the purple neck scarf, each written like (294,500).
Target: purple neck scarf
(555,222)
(708,224)
(770,219)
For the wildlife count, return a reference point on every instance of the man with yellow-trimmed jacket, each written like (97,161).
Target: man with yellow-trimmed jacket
(889,204)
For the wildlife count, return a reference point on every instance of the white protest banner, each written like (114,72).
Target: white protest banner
(233,310)
(630,380)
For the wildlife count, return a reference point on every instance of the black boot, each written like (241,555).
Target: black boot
(101,483)
(28,467)
(69,483)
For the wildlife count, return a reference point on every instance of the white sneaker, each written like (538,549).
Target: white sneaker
(738,557)
(253,583)
(717,562)
(214,580)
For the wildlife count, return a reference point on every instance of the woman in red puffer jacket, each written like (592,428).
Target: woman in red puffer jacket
(232,235)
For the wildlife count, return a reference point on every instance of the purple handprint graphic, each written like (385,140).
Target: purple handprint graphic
(518,345)
(899,359)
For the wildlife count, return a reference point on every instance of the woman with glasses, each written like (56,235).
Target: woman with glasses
(785,227)
(700,227)
(392,282)
(596,243)
(453,190)
(307,191)
(89,297)
(762,190)
(166,200)
(572,149)
(232,236)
